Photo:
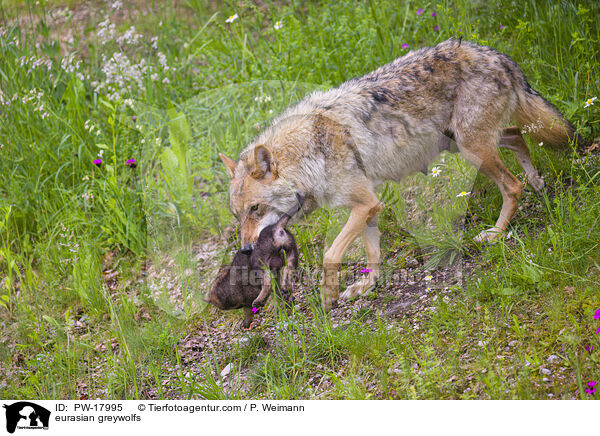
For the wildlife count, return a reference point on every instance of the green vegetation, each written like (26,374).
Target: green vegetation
(103,267)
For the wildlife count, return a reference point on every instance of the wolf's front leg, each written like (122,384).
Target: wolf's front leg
(360,215)
(370,238)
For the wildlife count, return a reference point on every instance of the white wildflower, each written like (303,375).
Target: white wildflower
(590,101)
(106,31)
(130,37)
(278,25)
(232,18)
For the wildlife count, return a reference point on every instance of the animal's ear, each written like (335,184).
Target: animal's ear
(229,164)
(264,165)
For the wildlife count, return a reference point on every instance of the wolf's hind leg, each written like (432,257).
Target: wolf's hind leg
(370,237)
(511,139)
(265,290)
(480,111)
(483,153)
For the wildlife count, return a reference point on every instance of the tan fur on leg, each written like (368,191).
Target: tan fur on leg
(360,215)
(510,188)
(513,140)
(370,238)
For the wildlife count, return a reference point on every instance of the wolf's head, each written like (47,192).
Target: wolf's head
(258,196)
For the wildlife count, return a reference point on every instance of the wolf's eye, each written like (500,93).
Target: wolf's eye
(254,208)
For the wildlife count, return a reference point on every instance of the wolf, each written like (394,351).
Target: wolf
(335,147)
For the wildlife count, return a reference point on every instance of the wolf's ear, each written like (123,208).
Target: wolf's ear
(229,164)
(264,165)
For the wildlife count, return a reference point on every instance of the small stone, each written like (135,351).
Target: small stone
(226,370)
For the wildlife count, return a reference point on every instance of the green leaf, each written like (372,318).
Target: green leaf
(51,320)
(179,135)
(509,291)
(169,161)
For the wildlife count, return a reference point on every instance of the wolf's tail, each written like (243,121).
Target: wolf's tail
(541,120)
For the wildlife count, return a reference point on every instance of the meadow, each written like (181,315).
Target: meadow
(114,211)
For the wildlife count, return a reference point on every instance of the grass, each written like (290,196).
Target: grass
(103,268)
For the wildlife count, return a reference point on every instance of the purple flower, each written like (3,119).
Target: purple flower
(133,118)
(419,11)
(404,46)
(436,28)
(365,271)
(501,27)
(597,314)
(589,348)
(433,14)
(592,384)
(598,331)
(591,388)
(97,162)
(131,163)
(254,309)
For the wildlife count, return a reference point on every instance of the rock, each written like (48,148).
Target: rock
(226,370)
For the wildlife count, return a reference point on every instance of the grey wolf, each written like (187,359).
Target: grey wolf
(247,281)
(335,147)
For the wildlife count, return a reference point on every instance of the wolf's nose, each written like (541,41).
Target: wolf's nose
(247,249)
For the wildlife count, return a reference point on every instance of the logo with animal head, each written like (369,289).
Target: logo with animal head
(26,415)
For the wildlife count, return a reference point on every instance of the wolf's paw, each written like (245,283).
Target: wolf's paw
(490,235)
(537,183)
(360,287)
